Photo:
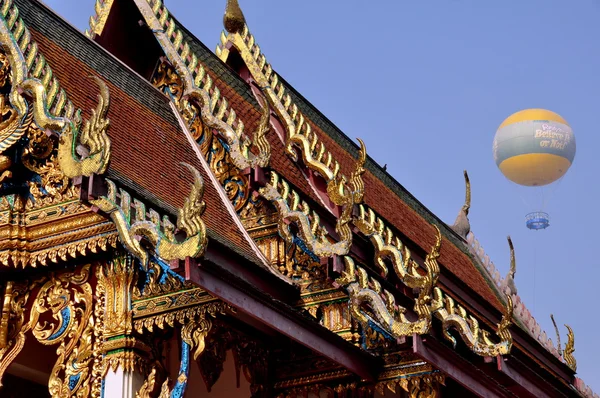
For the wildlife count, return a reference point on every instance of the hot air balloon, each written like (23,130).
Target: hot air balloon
(534,148)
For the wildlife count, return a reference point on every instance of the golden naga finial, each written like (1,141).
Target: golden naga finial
(462,226)
(93,136)
(381,304)
(570,349)
(233,20)
(558,344)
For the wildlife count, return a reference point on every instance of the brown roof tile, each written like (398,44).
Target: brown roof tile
(147,145)
(410,224)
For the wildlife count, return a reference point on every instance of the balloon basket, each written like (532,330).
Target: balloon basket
(537,220)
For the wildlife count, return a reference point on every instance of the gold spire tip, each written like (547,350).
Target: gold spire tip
(233,20)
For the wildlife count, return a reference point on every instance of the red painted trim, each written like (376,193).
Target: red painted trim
(460,370)
(281,318)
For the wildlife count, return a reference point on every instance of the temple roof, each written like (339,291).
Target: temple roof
(148,141)
(402,210)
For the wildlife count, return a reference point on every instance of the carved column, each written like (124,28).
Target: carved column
(124,354)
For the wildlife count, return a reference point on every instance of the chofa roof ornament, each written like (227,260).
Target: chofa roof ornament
(462,226)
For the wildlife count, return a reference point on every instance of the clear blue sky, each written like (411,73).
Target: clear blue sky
(426,84)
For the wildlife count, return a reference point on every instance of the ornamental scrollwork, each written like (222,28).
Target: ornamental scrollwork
(213,147)
(420,386)
(93,136)
(115,280)
(62,313)
(163,239)
(45,100)
(388,247)
(198,88)
(193,335)
(98,366)
(367,293)
(293,210)
(120,348)
(300,134)
(454,316)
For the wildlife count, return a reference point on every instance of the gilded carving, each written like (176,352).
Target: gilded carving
(45,100)
(252,360)
(381,304)
(159,280)
(570,349)
(116,281)
(214,355)
(299,131)
(389,247)
(12,126)
(454,316)
(147,388)
(420,386)
(193,334)
(214,149)
(198,88)
(292,209)
(166,316)
(98,365)
(233,20)
(62,314)
(163,240)
(97,22)
(93,136)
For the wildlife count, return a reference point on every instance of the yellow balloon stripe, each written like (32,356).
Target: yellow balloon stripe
(533,114)
(534,169)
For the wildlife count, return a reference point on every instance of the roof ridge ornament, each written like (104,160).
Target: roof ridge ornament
(382,307)
(570,349)
(161,237)
(510,277)
(558,344)
(199,88)
(461,225)
(233,20)
(455,316)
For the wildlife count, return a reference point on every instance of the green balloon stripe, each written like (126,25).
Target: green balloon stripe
(534,136)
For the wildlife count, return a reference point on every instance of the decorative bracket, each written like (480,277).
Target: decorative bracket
(382,304)
(341,193)
(454,316)
(163,240)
